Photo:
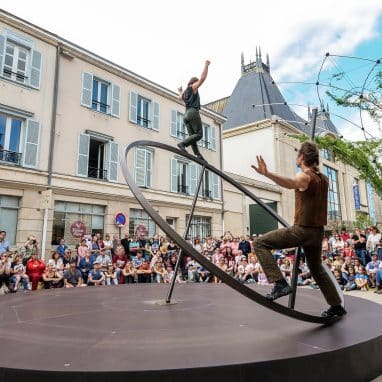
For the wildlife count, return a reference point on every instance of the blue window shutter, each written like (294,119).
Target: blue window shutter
(87,89)
(112,173)
(193,178)
(2,48)
(173,123)
(155,115)
(35,70)
(215,187)
(174,175)
(140,167)
(115,100)
(31,143)
(83,154)
(212,145)
(133,107)
(149,168)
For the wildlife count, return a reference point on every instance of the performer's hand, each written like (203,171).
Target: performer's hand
(180,89)
(207,62)
(261,166)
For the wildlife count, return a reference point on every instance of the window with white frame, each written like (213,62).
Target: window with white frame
(144,111)
(178,128)
(97,157)
(19,62)
(143,167)
(334,207)
(140,221)
(208,141)
(200,227)
(19,140)
(100,95)
(9,208)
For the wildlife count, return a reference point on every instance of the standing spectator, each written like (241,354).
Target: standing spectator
(379,279)
(348,250)
(35,270)
(116,241)
(94,247)
(4,245)
(81,250)
(344,235)
(29,248)
(373,240)
(5,270)
(125,242)
(119,262)
(61,247)
(72,276)
(244,246)
(197,246)
(107,244)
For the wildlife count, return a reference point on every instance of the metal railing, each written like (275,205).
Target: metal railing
(182,189)
(10,157)
(98,173)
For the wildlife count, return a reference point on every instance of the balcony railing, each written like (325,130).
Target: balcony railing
(98,173)
(182,189)
(144,122)
(207,194)
(10,157)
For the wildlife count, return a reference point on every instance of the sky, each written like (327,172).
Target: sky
(168,41)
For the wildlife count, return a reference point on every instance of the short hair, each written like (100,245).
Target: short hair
(310,154)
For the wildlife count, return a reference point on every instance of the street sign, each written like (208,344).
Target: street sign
(120,219)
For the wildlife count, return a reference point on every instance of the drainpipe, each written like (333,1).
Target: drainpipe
(51,148)
(221,181)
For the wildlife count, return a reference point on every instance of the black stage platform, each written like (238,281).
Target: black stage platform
(120,333)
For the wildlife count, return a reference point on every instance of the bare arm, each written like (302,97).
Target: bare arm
(299,182)
(196,85)
(180,93)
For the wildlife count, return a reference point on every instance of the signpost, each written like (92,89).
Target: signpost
(120,221)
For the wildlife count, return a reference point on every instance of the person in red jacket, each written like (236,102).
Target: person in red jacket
(35,269)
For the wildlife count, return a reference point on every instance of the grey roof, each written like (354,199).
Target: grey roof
(257,97)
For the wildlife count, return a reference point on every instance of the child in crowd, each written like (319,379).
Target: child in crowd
(111,275)
(361,280)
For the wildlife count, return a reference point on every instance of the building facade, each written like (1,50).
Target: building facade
(65,116)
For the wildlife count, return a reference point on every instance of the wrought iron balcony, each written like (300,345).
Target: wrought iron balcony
(182,189)
(10,157)
(98,173)
(207,194)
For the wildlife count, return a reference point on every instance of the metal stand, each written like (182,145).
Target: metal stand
(292,296)
(180,256)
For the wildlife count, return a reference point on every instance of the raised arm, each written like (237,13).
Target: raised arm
(196,85)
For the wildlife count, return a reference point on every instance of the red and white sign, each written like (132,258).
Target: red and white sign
(78,229)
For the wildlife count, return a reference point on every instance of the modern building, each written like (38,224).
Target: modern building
(260,122)
(65,116)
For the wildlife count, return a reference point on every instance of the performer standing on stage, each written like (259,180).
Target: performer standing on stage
(311,192)
(192,118)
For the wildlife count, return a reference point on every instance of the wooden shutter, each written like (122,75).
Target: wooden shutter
(87,89)
(140,167)
(2,49)
(83,155)
(35,70)
(133,107)
(31,143)
(115,100)
(112,170)
(173,123)
(174,175)
(155,115)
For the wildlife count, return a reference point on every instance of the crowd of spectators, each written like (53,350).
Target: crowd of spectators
(354,258)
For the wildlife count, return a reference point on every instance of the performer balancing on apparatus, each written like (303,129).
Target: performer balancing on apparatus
(192,119)
(311,191)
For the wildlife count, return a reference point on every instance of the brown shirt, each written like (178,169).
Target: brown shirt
(311,205)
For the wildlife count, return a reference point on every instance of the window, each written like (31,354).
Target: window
(73,220)
(141,222)
(200,227)
(143,111)
(143,167)
(206,189)
(334,209)
(9,208)
(100,95)
(208,141)
(181,177)
(178,128)
(19,139)
(18,61)
(97,157)
(327,154)
(10,133)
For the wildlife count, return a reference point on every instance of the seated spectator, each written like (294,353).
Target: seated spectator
(223,266)
(138,259)
(241,274)
(57,262)
(217,255)
(107,244)
(167,277)
(357,265)
(119,261)
(111,275)
(203,274)
(304,271)
(86,265)
(129,272)
(252,269)
(348,250)
(104,260)
(94,246)
(192,270)
(286,268)
(19,274)
(209,246)
(348,263)
(378,279)
(51,277)
(144,272)
(262,278)
(73,277)
(340,280)
(371,269)
(5,271)
(4,244)
(197,245)
(350,283)
(29,248)
(96,275)
(362,280)
(35,270)
(67,258)
(159,271)
(61,247)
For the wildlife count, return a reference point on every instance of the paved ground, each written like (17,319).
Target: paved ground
(369,295)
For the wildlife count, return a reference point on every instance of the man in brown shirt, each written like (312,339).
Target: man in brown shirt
(311,192)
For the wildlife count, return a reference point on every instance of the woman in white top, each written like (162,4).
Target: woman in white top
(373,239)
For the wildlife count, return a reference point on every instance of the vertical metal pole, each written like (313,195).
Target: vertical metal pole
(180,256)
(292,296)
(314,120)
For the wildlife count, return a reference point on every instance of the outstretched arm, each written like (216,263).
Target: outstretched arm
(180,93)
(299,182)
(196,85)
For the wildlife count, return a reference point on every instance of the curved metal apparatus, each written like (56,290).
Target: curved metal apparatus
(190,251)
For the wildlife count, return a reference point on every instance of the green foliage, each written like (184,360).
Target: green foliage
(364,156)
